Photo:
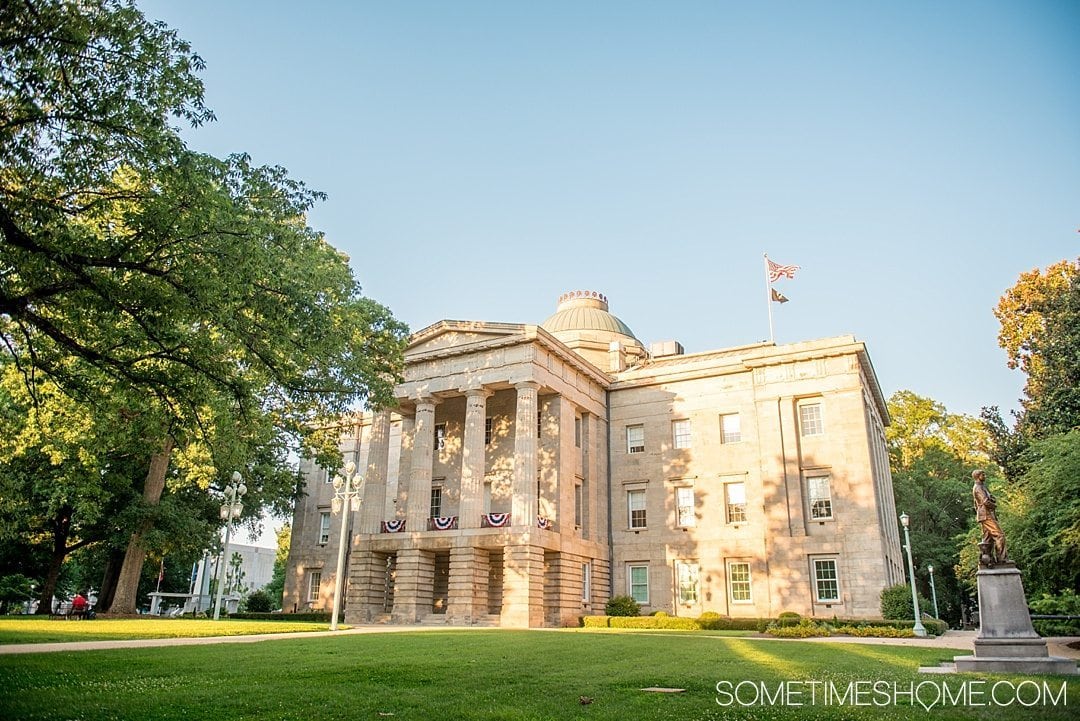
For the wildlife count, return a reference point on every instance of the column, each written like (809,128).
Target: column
(367,584)
(524,501)
(468,589)
(373,498)
(523,586)
(473,459)
(423,453)
(415,581)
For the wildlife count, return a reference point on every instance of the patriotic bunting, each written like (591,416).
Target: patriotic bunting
(543,523)
(496,520)
(395,526)
(443,523)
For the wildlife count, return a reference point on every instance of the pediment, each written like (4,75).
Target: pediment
(450,335)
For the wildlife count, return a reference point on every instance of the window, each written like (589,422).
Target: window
(637,581)
(684,503)
(738,573)
(489,426)
(635,501)
(440,436)
(826,584)
(436,502)
(810,422)
(687,576)
(314,581)
(324,527)
(635,439)
(539,421)
(327,476)
(578,504)
(820,497)
(586,582)
(577,432)
(730,428)
(735,499)
(680,431)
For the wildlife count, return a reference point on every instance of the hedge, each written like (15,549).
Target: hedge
(314,617)
(711,621)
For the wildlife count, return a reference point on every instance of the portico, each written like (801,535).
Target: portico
(484,516)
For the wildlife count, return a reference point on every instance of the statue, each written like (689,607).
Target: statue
(992,545)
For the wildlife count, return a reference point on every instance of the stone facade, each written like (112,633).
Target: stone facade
(530,472)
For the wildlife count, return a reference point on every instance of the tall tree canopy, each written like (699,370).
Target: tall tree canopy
(147,280)
(1040,333)
(931,455)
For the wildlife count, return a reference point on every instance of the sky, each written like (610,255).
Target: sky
(481,158)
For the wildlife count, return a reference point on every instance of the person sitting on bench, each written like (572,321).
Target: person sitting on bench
(79,606)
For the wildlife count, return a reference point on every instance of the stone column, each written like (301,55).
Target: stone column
(523,586)
(413,593)
(366,587)
(473,459)
(468,597)
(373,505)
(423,453)
(523,508)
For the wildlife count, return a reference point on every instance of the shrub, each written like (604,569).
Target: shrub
(669,622)
(710,621)
(789,615)
(595,621)
(660,614)
(875,631)
(312,616)
(259,602)
(896,602)
(805,628)
(622,606)
(1067,603)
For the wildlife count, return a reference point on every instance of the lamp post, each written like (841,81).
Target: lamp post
(918,629)
(347,488)
(232,508)
(933,590)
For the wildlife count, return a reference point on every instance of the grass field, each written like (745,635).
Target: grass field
(492,674)
(39,629)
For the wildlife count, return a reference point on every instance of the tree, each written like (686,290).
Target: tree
(276,587)
(1040,333)
(931,455)
(186,290)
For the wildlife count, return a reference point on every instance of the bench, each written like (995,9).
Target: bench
(66,612)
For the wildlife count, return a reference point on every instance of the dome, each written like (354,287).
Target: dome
(585,310)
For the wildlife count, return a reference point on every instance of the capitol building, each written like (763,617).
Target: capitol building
(531,472)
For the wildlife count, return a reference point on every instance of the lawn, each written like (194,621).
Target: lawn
(455,674)
(39,629)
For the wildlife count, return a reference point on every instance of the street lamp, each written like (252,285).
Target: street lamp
(933,590)
(346,488)
(918,629)
(232,508)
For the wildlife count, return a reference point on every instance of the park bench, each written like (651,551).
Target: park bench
(62,611)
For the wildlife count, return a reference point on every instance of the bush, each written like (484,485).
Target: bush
(312,616)
(622,606)
(669,622)
(259,602)
(710,621)
(805,628)
(875,631)
(1067,603)
(660,614)
(595,621)
(789,616)
(896,602)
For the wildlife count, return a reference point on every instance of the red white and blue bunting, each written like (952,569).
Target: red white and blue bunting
(443,523)
(497,520)
(395,526)
(544,523)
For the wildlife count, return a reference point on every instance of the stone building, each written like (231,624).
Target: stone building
(529,473)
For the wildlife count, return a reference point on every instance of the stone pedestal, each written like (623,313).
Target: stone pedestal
(1007,642)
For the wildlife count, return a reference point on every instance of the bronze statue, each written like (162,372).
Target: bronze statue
(992,545)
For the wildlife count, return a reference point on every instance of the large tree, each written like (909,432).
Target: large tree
(186,290)
(931,455)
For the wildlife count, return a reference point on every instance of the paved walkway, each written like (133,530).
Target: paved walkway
(953,640)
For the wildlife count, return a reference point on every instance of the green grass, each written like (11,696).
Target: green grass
(39,629)
(459,674)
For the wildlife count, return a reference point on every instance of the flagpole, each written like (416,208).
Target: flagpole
(768,298)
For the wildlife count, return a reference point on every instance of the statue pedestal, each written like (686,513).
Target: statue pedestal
(1007,642)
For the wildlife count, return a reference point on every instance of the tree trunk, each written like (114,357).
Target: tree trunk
(109,578)
(127,585)
(61,528)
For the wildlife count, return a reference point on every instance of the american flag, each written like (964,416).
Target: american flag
(776,270)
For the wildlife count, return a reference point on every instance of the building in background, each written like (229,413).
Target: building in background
(529,473)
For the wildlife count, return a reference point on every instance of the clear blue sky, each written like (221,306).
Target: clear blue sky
(483,157)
